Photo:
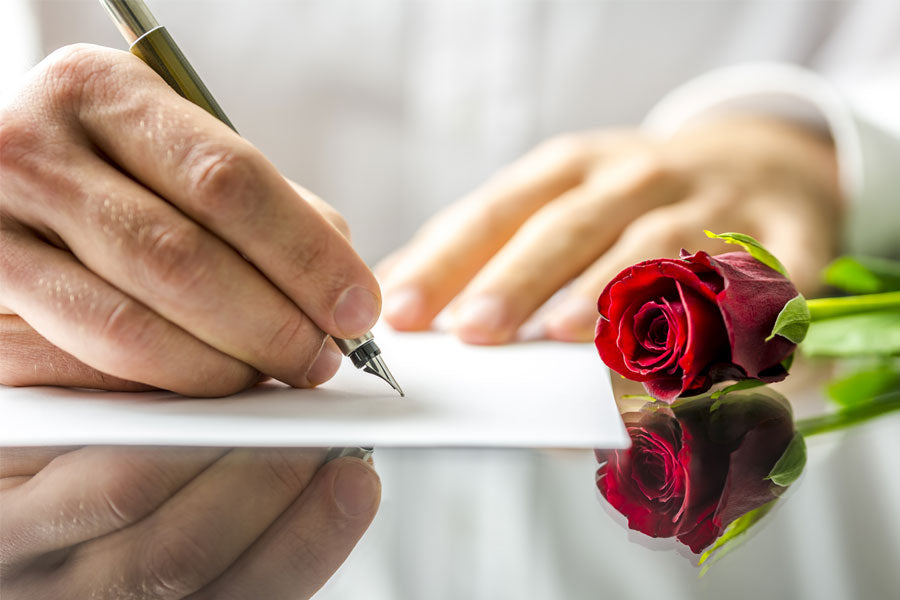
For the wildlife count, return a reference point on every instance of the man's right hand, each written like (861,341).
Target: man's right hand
(144,243)
(171,523)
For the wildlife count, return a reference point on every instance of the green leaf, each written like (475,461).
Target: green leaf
(864,334)
(790,465)
(793,320)
(864,385)
(749,244)
(863,274)
(732,536)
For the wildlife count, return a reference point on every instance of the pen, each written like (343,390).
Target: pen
(151,42)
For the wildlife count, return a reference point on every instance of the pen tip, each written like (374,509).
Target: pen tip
(377,366)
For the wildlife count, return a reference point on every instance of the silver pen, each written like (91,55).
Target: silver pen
(151,42)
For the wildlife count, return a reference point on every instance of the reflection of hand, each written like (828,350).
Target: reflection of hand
(147,240)
(585,206)
(121,522)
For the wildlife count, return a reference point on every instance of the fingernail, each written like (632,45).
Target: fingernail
(403,307)
(356,488)
(482,320)
(356,311)
(573,320)
(325,365)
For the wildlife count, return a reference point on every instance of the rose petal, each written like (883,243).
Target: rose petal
(763,427)
(750,302)
(664,389)
(656,432)
(638,358)
(707,340)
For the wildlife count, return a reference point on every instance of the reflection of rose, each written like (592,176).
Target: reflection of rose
(691,471)
(679,326)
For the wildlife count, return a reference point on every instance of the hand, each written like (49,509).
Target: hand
(167,523)
(146,244)
(582,207)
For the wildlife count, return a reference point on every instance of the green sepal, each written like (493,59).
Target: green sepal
(744,384)
(863,274)
(790,465)
(645,397)
(786,363)
(753,247)
(793,320)
(732,536)
(863,334)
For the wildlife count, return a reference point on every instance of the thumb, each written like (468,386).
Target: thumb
(310,540)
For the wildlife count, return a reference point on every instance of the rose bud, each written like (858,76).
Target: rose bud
(681,325)
(691,471)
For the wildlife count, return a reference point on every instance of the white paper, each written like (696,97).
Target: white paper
(532,394)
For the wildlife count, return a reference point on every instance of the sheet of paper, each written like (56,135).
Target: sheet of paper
(532,394)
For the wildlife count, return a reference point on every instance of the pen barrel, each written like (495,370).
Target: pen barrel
(162,54)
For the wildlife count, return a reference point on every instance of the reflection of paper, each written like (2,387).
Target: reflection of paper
(536,394)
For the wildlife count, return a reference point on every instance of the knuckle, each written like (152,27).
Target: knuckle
(174,563)
(72,72)
(648,172)
(223,182)
(662,226)
(311,259)
(565,146)
(174,257)
(296,338)
(127,320)
(128,491)
(285,471)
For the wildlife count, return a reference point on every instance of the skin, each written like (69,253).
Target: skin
(173,523)
(146,244)
(580,208)
(143,244)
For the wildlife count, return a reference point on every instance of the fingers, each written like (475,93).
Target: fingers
(556,244)
(79,313)
(27,358)
(223,183)
(455,244)
(660,232)
(301,550)
(146,248)
(193,538)
(90,492)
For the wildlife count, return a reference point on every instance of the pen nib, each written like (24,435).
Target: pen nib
(376,366)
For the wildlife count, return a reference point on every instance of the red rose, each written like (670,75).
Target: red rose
(691,471)
(681,325)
